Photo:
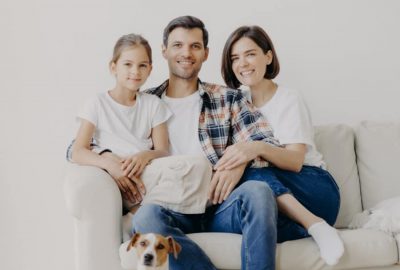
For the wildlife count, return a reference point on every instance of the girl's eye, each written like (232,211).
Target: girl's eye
(143,66)
(127,64)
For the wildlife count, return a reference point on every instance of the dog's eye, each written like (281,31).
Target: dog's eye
(160,246)
(142,243)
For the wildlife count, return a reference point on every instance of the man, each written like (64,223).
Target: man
(207,119)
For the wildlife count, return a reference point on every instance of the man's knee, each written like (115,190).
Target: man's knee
(149,218)
(258,194)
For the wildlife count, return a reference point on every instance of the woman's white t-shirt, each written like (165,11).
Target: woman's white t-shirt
(288,115)
(125,130)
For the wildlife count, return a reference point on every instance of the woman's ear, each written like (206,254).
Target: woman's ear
(269,57)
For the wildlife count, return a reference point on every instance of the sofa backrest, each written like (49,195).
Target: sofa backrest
(378,160)
(336,144)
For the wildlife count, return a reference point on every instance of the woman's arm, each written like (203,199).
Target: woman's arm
(290,157)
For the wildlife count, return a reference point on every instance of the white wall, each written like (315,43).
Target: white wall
(343,55)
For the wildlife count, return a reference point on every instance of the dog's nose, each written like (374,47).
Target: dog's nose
(148,257)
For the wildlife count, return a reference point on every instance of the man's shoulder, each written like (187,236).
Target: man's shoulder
(219,91)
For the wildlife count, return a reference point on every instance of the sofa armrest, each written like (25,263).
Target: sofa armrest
(93,199)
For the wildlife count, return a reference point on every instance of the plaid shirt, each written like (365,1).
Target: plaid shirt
(226,117)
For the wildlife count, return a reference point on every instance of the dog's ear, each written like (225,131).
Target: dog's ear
(135,237)
(174,247)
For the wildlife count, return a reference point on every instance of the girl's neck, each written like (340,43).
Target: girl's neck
(179,88)
(124,96)
(263,92)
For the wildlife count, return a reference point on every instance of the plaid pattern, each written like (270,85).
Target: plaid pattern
(226,117)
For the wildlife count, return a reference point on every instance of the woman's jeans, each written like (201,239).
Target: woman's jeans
(313,187)
(249,210)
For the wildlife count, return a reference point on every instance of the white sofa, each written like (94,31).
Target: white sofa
(363,160)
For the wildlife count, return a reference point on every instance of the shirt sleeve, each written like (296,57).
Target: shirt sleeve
(161,112)
(294,125)
(248,124)
(89,111)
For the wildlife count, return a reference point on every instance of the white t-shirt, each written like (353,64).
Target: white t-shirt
(288,115)
(125,130)
(183,126)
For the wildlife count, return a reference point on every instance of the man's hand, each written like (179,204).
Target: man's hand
(237,154)
(128,186)
(223,182)
(133,166)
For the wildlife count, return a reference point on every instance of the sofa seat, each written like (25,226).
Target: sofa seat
(376,251)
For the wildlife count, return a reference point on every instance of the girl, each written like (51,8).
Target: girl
(129,123)
(306,193)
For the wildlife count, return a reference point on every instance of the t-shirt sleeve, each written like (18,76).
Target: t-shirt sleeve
(294,125)
(161,112)
(89,111)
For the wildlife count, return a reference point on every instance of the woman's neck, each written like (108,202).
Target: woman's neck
(124,96)
(263,92)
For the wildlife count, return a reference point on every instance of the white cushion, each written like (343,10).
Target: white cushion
(336,144)
(363,248)
(378,159)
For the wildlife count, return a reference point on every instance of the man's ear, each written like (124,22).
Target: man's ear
(163,51)
(206,51)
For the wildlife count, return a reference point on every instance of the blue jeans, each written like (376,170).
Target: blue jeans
(250,210)
(313,187)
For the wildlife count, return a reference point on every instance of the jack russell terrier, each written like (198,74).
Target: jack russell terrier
(152,250)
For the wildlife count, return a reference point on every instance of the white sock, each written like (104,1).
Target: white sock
(328,240)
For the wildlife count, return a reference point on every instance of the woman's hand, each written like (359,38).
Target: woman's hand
(133,166)
(128,186)
(237,154)
(223,182)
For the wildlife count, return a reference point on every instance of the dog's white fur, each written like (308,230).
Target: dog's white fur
(385,217)
(152,250)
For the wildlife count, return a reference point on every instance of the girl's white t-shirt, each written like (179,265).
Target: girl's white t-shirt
(288,115)
(183,126)
(125,130)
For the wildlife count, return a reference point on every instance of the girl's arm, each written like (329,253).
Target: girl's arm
(82,154)
(134,165)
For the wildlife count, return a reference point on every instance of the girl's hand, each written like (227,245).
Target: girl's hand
(237,154)
(133,166)
(127,186)
(223,182)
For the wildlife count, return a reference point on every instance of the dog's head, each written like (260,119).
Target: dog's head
(153,249)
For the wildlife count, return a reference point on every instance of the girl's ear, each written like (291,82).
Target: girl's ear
(112,68)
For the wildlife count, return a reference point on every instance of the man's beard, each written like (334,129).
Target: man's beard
(185,75)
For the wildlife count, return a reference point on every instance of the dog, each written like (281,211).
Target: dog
(385,216)
(152,250)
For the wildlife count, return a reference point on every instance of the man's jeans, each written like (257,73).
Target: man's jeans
(250,210)
(313,187)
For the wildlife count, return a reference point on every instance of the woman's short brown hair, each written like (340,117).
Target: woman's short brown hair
(260,37)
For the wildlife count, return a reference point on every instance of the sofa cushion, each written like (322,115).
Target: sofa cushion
(336,144)
(364,248)
(378,156)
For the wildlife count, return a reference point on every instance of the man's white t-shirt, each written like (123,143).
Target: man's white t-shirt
(183,126)
(125,130)
(288,115)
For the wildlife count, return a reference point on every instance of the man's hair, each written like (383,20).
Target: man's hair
(260,37)
(187,22)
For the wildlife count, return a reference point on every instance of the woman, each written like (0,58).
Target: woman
(306,193)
